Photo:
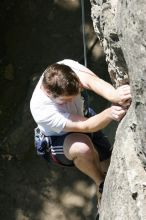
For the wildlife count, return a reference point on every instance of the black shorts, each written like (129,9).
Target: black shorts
(51,148)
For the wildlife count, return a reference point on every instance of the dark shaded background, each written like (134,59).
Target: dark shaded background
(33,35)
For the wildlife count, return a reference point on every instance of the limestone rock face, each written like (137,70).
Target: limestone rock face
(121,28)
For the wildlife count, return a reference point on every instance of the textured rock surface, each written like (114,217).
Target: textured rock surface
(121,28)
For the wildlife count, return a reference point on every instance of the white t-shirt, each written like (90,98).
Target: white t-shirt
(49,116)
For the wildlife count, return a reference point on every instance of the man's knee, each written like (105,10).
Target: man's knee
(77,144)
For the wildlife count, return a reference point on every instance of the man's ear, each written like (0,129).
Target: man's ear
(81,86)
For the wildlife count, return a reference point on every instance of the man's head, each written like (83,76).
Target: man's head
(60,81)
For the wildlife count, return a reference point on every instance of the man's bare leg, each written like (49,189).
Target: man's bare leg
(79,148)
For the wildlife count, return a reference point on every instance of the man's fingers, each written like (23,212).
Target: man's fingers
(118,112)
(124,90)
(126,96)
(117,117)
(118,108)
(124,87)
(126,103)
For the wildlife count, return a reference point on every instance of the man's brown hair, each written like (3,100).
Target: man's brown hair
(60,80)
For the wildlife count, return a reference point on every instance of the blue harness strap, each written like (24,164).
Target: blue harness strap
(52,153)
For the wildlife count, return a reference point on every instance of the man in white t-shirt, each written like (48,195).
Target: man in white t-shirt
(64,135)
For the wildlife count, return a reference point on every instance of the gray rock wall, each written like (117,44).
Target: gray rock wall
(121,28)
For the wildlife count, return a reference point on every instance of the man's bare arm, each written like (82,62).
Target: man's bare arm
(92,82)
(77,123)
